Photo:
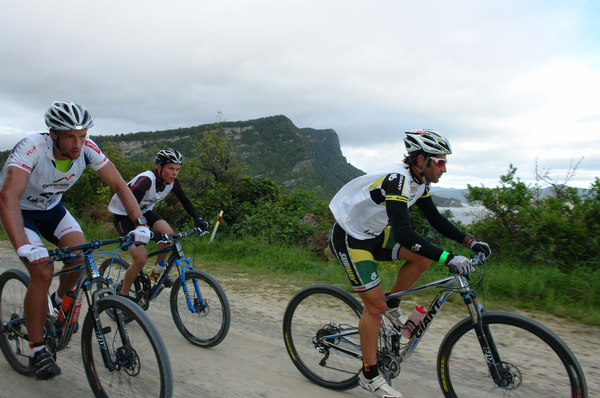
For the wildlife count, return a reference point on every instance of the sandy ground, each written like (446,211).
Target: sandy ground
(252,360)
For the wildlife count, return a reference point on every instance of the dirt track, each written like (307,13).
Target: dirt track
(252,360)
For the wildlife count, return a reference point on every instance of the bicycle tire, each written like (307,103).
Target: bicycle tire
(323,309)
(145,368)
(208,325)
(522,344)
(13,287)
(113,269)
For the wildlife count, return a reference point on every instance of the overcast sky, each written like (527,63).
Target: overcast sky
(506,81)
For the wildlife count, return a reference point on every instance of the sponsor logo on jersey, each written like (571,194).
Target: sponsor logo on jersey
(57,184)
(92,146)
(102,161)
(31,151)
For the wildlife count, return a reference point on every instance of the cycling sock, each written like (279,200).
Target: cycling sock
(35,347)
(57,300)
(370,371)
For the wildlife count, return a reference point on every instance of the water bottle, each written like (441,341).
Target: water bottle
(66,304)
(413,321)
(158,268)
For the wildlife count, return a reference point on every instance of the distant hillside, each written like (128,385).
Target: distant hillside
(271,147)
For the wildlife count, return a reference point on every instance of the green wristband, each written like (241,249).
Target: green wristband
(443,257)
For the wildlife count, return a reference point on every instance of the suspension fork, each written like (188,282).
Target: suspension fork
(484,336)
(97,324)
(182,269)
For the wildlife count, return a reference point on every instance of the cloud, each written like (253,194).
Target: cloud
(507,82)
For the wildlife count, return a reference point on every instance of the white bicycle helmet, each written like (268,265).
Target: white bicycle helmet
(66,115)
(427,141)
(170,155)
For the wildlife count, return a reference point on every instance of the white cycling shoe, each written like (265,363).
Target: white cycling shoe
(378,386)
(395,316)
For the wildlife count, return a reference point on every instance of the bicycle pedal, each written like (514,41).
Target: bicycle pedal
(106,330)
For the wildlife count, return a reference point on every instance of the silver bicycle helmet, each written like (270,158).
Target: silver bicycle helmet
(66,115)
(427,141)
(170,155)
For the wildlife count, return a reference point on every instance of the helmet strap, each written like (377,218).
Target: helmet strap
(421,172)
(160,177)
(56,146)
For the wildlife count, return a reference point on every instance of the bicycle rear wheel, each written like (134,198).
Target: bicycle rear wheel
(534,361)
(313,314)
(13,286)
(138,353)
(204,319)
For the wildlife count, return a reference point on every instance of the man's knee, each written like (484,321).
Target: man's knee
(41,274)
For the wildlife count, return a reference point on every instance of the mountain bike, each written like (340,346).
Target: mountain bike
(121,359)
(477,357)
(199,306)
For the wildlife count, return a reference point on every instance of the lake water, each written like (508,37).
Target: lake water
(464,214)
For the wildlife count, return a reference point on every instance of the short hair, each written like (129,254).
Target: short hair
(411,158)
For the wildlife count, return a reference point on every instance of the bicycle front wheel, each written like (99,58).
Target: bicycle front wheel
(320,330)
(139,363)
(532,360)
(13,286)
(200,309)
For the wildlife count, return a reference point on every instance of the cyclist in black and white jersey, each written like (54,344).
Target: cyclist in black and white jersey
(40,168)
(373,224)
(149,188)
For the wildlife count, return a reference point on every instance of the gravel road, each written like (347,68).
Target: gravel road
(252,360)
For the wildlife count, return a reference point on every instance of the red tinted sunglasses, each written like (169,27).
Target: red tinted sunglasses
(439,162)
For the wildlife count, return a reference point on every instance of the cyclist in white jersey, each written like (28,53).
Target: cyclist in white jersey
(373,224)
(149,188)
(39,169)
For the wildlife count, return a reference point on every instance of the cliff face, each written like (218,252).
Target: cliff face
(271,147)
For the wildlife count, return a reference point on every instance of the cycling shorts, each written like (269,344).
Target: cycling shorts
(52,224)
(124,225)
(358,256)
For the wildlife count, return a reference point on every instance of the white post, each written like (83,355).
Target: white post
(216,226)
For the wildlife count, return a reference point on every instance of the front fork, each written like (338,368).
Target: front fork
(198,297)
(102,331)
(486,340)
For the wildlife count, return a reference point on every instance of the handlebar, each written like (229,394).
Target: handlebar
(63,253)
(478,259)
(168,238)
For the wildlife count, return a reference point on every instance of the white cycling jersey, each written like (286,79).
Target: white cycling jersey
(46,184)
(151,197)
(359,206)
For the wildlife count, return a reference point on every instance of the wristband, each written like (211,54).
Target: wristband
(443,257)
(470,238)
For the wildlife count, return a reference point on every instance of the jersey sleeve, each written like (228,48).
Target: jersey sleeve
(397,189)
(93,155)
(25,155)
(438,221)
(184,200)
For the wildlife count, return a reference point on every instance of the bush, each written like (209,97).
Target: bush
(561,230)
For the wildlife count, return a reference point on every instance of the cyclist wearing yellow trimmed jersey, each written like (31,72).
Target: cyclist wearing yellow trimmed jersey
(373,224)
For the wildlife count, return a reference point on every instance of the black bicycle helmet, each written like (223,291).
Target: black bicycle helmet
(170,155)
(427,141)
(66,115)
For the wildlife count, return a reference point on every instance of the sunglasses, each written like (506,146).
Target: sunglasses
(439,162)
